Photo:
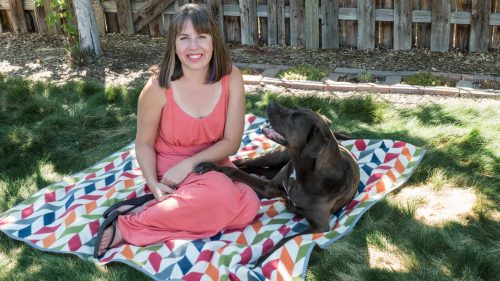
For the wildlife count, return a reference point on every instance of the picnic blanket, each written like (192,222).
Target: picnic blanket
(64,217)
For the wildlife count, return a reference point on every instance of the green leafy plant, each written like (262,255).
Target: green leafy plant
(61,14)
(364,76)
(424,79)
(302,72)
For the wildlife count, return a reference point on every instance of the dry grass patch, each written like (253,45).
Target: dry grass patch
(435,208)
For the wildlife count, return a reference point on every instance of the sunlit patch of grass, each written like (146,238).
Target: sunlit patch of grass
(386,255)
(302,72)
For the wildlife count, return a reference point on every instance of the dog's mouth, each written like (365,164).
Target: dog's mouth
(273,135)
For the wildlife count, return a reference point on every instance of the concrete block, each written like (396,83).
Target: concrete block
(332,77)
(381,73)
(307,85)
(442,91)
(272,81)
(271,72)
(252,79)
(392,80)
(407,89)
(476,78)
(492,94)
(340,86)
(446,75)
(373,88)
(261,66)
(241,64)
(348,70)
(405,73)
(464,84)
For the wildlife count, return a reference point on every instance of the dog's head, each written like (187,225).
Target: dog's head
(299,129)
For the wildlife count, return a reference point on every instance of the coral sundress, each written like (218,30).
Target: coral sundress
(202,205)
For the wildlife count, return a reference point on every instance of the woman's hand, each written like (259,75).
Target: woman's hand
(161,191)
(175,175)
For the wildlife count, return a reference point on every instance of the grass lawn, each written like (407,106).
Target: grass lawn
(443,225)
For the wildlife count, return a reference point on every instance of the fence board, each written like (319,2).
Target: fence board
(1,24)
(402,25)
(280,16)
(216,8)
(99,16)
(296,23)
(480,31)
(311,24)
(272,22)
(232,25)
(249,20)
(348,26)
(17,16)
(330,24)
(495,30)
(262,23)
(440,29)
(366,24)
(125,20)
(150,11)
(459,34)
(384,14)
(112,23)
(40,20)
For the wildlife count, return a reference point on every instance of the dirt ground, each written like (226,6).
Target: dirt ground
(127,58)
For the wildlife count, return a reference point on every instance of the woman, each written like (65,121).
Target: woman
(190,112)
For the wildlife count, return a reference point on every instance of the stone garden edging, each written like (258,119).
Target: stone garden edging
(392,83)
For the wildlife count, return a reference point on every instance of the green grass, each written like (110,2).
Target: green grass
(302,72)
(49,131)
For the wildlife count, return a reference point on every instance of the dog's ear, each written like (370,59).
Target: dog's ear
(315,143)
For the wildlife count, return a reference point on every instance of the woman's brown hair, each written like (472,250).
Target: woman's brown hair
(203,23)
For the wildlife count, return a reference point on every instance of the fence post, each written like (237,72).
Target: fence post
(480,28)
(366,24)
(125,20)
(17,16)
(248,12)
(280,17)
(216,8)
(440,26)
(402,25)
(330,38)
(296,23)
(311,28)
(272,22)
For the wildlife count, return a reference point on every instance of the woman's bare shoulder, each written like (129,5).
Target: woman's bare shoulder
(152,91)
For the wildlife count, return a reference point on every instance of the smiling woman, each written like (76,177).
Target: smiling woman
(191,111)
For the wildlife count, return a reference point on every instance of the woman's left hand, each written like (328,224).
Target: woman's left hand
(175,175)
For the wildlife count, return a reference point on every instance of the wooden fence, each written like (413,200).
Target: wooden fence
(472,25)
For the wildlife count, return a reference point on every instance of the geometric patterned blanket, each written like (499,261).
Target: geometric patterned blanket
(64,217)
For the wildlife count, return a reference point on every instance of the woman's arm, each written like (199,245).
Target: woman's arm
(228,145)
(151,101)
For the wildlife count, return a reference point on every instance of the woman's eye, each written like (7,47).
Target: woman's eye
(202,36)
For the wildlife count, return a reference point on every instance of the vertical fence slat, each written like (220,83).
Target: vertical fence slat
(348,28)
(249,31)
(232,26)
(495,30)
(480,29)
(272,23)
(216,8)
(1,24)
(402,25)
(125,20)
(460,33)
(296,23)
(40,20)
(262,24)
(311,24)
(366,24)
(17,16)
(384,29)
(281,22)
(330,24)
(440,28)
(99,16)
(53,29)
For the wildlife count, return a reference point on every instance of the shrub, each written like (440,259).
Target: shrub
(364,76)
(302,72)
(424,79)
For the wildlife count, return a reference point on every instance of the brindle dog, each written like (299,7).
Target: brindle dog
(317,177)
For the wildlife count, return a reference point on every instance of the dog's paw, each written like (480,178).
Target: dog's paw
(205,167)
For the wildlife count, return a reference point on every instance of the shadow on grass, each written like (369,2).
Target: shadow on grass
(410,249)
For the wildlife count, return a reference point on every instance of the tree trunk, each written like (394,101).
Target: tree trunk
(87,28)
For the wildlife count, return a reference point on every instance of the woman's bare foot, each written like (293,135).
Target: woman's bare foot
(106,238)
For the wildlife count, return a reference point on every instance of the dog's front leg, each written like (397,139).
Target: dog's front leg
(262,186)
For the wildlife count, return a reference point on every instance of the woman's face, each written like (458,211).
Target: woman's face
(193,50)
